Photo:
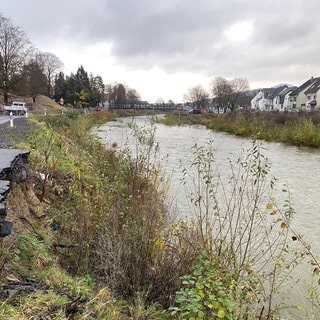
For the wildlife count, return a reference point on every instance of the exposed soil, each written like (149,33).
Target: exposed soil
(22,204)
(27,213)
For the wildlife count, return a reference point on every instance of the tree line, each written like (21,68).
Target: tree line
(226,93)
(26,71)
(83,90)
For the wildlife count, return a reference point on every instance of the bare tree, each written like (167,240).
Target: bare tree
(119,94)
(160,101)
(239,87)
(51,66)
(116,94)
(221,91)
(228,92)
(197,96)
(132,96)
(14,48)
(109,92)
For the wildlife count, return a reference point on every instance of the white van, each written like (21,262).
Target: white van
(17,107)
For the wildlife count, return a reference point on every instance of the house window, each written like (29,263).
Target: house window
(309,97)
(315,97)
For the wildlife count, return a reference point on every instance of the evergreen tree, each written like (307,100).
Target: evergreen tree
(59,87)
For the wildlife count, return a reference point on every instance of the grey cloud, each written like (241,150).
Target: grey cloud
(182,35)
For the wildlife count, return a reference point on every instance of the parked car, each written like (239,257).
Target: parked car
(17,108)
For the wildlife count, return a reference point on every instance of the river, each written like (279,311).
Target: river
(297,168)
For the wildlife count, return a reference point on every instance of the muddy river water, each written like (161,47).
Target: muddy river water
(297,168)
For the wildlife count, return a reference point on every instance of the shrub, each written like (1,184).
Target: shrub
(114,224)
(109,208)
(249,255)
(206,293)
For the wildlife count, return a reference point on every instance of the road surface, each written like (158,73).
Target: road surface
(4,119)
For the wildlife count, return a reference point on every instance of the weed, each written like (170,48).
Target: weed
(230,260)
(297,129)
(248,256)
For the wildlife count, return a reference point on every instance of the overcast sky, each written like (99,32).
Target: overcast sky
(162,48)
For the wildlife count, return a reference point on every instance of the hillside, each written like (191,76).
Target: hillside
(41,101)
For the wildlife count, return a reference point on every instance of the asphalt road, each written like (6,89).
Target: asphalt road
(4,119)
(10,136)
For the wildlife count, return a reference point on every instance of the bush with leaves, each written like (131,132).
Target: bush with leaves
(247,238)
(206,293)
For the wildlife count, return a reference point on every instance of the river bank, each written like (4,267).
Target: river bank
(11,136)
(86,229)
(97,232)
(299,129)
